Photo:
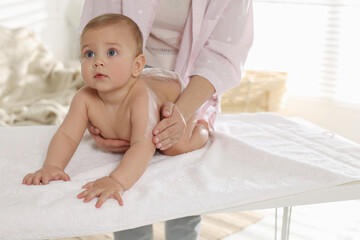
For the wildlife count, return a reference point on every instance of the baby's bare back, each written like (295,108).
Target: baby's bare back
(165,84)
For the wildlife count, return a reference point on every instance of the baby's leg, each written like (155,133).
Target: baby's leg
(195,137)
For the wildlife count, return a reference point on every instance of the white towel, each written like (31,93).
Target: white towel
(251,157)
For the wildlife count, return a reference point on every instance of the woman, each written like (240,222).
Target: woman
(206,43)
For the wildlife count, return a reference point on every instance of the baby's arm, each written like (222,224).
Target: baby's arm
(144,116)
(63,144)
(133,163)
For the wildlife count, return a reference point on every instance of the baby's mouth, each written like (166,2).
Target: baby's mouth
(100,76)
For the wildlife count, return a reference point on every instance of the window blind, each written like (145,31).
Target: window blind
(23,13)
(55,23)
(317,42)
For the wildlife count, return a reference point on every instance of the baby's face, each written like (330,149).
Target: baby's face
(107,57)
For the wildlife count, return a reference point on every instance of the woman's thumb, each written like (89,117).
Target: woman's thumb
(167,109)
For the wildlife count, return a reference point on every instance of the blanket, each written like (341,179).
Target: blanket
(35,88)
(250,158)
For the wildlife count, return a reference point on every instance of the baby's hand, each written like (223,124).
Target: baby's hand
(103,188)
(45,175)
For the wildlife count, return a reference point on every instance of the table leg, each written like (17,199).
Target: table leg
(286,223)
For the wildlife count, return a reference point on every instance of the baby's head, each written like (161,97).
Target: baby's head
(119,20)
(111,51)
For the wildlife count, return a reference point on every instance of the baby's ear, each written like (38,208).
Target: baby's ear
(139,64)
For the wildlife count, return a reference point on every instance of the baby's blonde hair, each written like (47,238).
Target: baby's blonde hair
(113,18)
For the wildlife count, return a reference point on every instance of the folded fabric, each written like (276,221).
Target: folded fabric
(34,87)
(250,158)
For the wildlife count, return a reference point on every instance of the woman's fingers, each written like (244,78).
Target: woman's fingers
(115,144)
(163,125)
(111,145)
(93,130)
(170,129)
(108,145)
(167,109)
(169,136)
(168,140)
(166,113)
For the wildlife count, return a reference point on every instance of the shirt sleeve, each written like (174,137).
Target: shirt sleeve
(222,58)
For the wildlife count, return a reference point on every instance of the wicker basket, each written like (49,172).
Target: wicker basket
(259,91)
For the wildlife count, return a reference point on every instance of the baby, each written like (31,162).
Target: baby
(121,103)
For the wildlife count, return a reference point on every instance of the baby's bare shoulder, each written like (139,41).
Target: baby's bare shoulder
(140,90)
(86,94)
(142,95)
(87,91)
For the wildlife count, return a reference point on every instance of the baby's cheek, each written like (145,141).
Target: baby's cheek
(119,71)
(85,73)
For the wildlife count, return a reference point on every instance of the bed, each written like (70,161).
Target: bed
(253,161)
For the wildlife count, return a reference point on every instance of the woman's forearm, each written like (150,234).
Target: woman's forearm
(197,92)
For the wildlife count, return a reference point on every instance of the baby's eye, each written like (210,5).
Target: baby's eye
(89,54)
(112,52)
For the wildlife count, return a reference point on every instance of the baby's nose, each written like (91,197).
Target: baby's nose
(98,63)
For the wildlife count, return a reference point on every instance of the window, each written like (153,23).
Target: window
(23,13)
(316,41)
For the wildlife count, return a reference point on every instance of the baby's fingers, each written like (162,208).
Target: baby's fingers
(82,194)
(88,185)
(118,197)
(45,179)
(64,176)
(94,192)
(30,180)
(103,197)
(37,179)
(26,178)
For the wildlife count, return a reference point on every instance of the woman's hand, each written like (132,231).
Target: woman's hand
(174,116)
(108,145)
(171,127)
(104,188)
(45,175)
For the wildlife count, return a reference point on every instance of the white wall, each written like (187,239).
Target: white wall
(317,43)
(54,21)
(342,119)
